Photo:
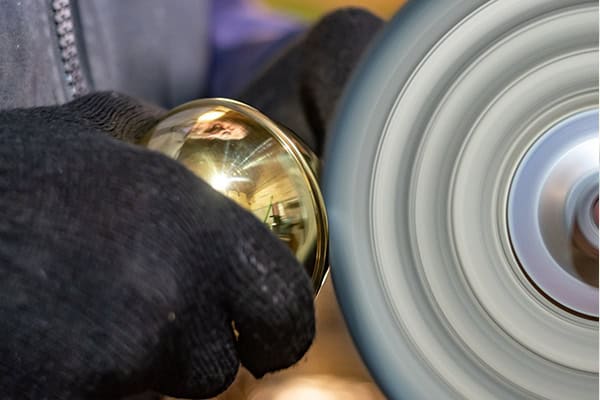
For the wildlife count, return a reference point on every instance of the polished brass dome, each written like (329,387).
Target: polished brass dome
(261,166)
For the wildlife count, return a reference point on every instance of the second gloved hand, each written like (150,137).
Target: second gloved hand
(120,271)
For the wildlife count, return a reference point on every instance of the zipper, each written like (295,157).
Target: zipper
(65,31)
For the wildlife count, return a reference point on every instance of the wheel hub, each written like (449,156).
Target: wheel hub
(553,213)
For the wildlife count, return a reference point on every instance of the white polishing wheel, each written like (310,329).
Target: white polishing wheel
(461,183)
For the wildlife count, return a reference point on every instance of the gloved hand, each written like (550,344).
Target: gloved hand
(120,271)
(301,87)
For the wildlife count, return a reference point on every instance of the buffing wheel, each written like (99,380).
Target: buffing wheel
(468,134)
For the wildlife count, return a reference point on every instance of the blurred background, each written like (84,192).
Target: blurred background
(311,9)
(332,369)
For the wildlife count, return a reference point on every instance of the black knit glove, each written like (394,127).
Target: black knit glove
(120,271)
(301,88)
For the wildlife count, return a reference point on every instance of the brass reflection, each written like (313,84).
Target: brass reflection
(248,158)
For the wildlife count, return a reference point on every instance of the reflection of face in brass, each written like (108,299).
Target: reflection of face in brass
(229,126)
